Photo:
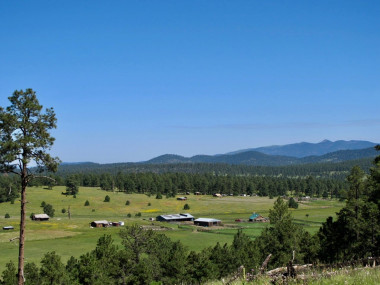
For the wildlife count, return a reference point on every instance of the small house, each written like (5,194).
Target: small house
(175,218)
(206,222)
(182,198)
(217,195)
(99,224)
(40,217)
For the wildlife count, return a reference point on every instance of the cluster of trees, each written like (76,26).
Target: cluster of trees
(9,188)
(356,231)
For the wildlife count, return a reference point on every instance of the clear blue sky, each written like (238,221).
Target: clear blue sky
(130,80)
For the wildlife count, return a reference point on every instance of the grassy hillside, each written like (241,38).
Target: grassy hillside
(75,237)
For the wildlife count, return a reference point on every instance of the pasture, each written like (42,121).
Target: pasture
(74,237)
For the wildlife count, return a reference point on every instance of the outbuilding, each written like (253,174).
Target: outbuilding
(258,218)
(175,218)
(100,224)
(207,222)
(182,198)
(40,217)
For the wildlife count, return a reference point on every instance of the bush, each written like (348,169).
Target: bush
(63,210)
(43,203)
(87,203)
(186,207)
(292,203)
(107,199)
(7,216)
(129,215)
(49,210)
(149,204)
(138,214)
(93,210)
(31,215)
(158,196)
(127,203)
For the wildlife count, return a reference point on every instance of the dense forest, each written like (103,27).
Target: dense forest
(325,170)
(171,184)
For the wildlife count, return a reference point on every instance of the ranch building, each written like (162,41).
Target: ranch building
(175,218)
(40,217)
(258,218)
(206,222)
(99,224)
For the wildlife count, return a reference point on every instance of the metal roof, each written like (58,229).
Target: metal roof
(41,216)
(207,220)
(177,216)
(101,222)
(253,216)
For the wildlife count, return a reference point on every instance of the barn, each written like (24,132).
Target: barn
(175,218)
(206,222)
(40,217)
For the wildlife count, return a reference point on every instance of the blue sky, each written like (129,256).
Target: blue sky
(130,80)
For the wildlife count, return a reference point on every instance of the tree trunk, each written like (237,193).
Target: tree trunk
(22,230)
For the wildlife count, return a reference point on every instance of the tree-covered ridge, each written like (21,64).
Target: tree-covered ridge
(324,170)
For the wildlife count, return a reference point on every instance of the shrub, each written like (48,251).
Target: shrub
(127,203)
(49,210)
(31,215)
(93,210)
(63,210)
(138,214)
(149,204)
(74,196)
(87,203)
(43,203)
(107,199)
(7,216)
(292,203)
(186,207)
(129,215)
(158,196)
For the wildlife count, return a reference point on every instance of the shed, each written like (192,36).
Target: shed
(217,195)
(206,222)
(175,218)
(197,193)
(100,224)
(182,198)
(40,217)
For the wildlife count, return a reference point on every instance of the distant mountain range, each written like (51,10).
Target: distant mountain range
(291,154)
(304,149)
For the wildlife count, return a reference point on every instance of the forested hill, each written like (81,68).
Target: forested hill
(261,159)
(325,170)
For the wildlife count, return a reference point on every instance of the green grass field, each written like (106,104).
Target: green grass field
(74,237)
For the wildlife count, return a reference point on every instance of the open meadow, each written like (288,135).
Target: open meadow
(74,237)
